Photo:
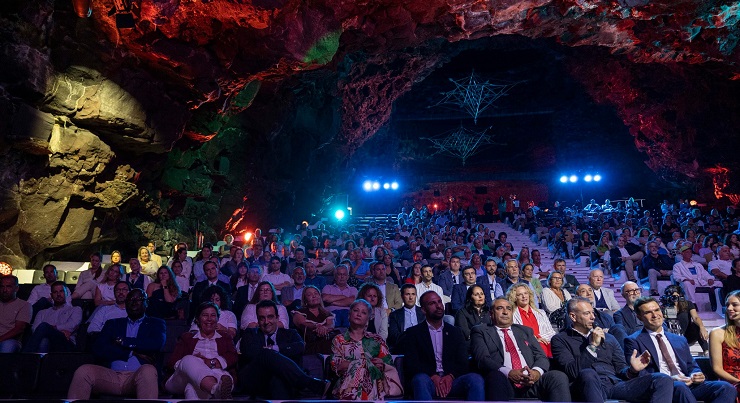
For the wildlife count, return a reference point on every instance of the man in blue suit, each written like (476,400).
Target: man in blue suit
(128,347)
(461,290)
(450,277)
(670,355)
(489,282)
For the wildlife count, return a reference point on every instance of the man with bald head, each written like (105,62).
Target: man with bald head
(722,267)
(627,316)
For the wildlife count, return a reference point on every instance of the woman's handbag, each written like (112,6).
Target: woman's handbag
(395,387)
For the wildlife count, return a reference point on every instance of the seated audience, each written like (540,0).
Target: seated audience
(149,266)
(106,312)
(683,311)
(54,328)
(339,296)
(89,279)
(265,292)
(135,278)
(527,277)
(570,283)
(245,293)
(554,296)
(291,296)
(270,356)
(724,345)
(359,357)
(15,315)
(656,265)
(691,274)
(128,347)
(670,355)
(278,279)
(378,318)
(226,320)
(313,277)
(721,268)
(203,364)
(40,297)
(180,279)
(164,294)
(474,311)
(152,247)
(402,319)
(527,314)
(514,366)
(603,296)
(104,291)
(595,362)
(314,322)
(206,252)
(489,282)
(436,357)
(211,271)
(625,255)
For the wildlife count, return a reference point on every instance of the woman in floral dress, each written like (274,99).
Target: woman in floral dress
(359,358)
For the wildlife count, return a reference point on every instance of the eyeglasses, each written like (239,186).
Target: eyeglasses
(635,291)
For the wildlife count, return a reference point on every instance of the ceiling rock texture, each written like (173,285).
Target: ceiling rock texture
(207,112)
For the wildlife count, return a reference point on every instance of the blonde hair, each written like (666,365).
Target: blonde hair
(511,294)
(730,328)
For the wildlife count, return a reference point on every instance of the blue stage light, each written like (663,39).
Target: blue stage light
(367,186)
(563,179)
(339,214)
(573,179)
(394,185)
(588,178)
(597,178)
(386,186)
(376,185)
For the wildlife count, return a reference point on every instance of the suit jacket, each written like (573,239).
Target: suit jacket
(287,295)
(608,295)
(396,322)
(195,295)
(444,280)
(627,318)
(416,345)
(224,346)
(392,294)
(148,341)
(288,340)
(642,341)
(488,349)
(571,356)
(486,286)
(241,299)
(458,296)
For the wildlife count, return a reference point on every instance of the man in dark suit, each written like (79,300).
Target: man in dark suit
(670,355)
(404,318)
(448,278)
(595,362)
(489,282)
(211,272)
(128,347)
(512,274)
(436,357)
(626,318)
(461,290)
(270,357)
(514,367)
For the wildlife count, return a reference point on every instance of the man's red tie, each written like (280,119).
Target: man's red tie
(516,362)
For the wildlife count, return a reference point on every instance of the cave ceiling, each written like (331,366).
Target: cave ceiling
(140,132)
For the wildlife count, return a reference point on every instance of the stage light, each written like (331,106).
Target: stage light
(588,178)
(376,185)
(367,186)
(435,206)
(573,179)
(563,179)
(247,236)
(693,203)
(597,178)
(5,269)
(394,185)
(386,186)
(339,214)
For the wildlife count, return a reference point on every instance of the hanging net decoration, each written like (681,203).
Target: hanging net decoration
(474,95)
(460,143)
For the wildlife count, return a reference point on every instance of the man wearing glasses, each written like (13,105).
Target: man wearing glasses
(128,346)
(627,316)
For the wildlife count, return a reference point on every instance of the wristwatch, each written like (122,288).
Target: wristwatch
(213,363)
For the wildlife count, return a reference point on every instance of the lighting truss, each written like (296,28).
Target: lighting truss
(474,95)
(461,143)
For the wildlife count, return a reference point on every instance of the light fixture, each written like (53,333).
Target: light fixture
(394,185)
(367,186)
(597,178)
(588,178)
(386,186)
(5,269)
(573,179)
(376,185)
(247,236)
(339,214)
(563,179)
